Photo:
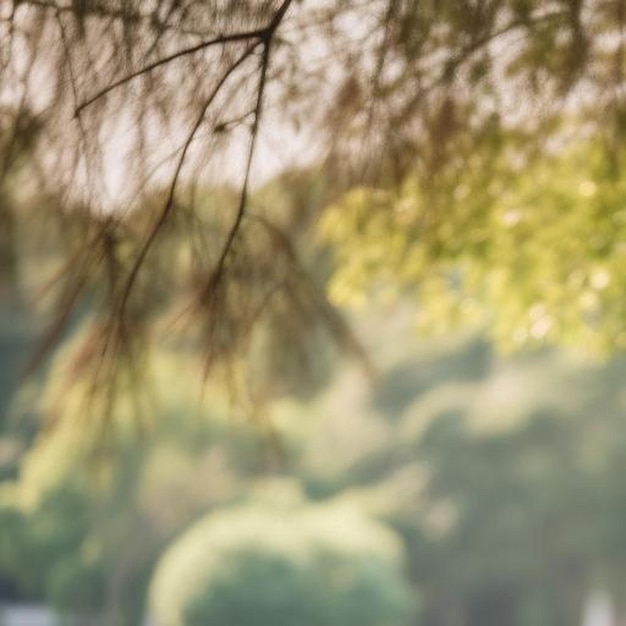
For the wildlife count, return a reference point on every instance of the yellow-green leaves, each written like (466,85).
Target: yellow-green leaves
(532,246)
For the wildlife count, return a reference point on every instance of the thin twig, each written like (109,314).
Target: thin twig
(221,39)
(243,197)
(73,81)
(335,323)
(172,189)
(268,35)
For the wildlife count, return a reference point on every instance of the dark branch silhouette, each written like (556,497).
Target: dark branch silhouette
(222,39)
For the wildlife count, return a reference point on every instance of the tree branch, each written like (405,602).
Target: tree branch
(172,189)
(221,39)
(268,35)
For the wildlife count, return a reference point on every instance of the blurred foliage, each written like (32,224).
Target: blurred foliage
(499,476)
(304,565)
(473,162)
(527,243)
(499,483)
(83,517)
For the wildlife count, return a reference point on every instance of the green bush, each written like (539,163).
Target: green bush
(314,566)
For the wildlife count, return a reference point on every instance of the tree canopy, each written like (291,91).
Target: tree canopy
(469,150)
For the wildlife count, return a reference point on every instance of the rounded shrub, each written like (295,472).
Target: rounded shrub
(311,566)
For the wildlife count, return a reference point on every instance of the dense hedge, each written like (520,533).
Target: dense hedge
(315,566)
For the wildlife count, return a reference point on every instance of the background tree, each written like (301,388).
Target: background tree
(260,566)
(498,475)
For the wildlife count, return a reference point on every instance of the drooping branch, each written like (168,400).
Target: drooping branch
(264,37)
(169,203)
(254,131)
(334,321)
(222,39)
